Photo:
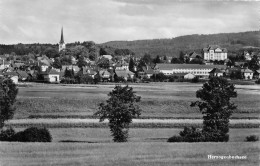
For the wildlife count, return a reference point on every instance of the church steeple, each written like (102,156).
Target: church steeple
(62,43)
(61,38)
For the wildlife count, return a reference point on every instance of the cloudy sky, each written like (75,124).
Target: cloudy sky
(33,21)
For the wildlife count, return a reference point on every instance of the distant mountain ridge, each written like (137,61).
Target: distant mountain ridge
(171,47)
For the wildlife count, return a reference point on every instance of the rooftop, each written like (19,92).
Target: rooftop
(167,66)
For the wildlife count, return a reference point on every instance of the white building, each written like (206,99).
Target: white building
(4,64)
(122,66)
(248,74)
(247,56)
(189,76)
(214,52)
(52,76)
(195,69)
(216,72)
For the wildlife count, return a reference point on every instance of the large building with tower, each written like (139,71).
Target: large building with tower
(214,52)
(62,44)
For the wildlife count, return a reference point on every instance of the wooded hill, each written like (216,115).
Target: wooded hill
(171,47)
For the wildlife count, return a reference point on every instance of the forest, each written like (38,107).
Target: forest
(234,42)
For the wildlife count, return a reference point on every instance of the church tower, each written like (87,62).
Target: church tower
(62,43)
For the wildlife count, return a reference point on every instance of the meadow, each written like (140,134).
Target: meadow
(127,154)
(76,144)
(103,135)
(159,100)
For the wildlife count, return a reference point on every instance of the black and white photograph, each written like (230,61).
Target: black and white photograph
(129,82)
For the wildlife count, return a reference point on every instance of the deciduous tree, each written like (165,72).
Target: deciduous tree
(120,109)
(216,108)
(8,93)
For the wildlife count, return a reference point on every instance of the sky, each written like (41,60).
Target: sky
(40,21)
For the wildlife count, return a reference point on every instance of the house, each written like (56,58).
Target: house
(240,64)
(198,70)
(209,63)
(122,66)
(73,60)
(70,67)
(87,71)
(179,75)
(148,71)
(22,75)
(12,75)
(103,62)
(214,52)
(4,64)
(52,59)
(51,76)
(257,74)
(232,70)
(126,74)
(189,76)
(8,69)
(194,55)
(105,75)
(248,74)
(109,57)
(216,73)
(44,67)
(247,56)
(17,65)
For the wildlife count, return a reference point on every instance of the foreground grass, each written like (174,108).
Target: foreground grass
(158,100)
(126,154)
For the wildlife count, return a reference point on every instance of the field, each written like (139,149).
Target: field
(159,100)
(64,107)
(103,135)
(127,154)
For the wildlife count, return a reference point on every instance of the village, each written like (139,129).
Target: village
(212,61)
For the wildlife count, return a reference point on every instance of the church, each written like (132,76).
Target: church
(62,44)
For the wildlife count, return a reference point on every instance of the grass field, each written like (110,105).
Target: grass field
(127,154)
(103,135)
(146,146)
(158,100)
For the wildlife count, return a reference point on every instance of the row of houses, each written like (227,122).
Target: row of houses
(187,71)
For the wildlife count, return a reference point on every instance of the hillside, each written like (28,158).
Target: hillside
(171,47)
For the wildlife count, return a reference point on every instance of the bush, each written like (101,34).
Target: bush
(120,79)
(191,134)
(175,139)
(257,81)
(33,134)
(68,81)
(83,79)
(195,80)
(252,138)
(7,134)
